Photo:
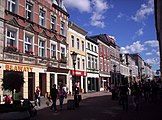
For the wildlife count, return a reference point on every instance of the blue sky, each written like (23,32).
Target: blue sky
(130,22)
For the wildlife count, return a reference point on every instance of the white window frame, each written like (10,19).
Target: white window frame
(53,23)
(53,43)
(78,62)
(93,62)
(27,10)
(62,28)
(42,47)
(42,17)
(10,7)
(15,30)
(89,61)
(29,43)
(62,46)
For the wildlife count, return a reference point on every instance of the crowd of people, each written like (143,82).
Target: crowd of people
(149,91)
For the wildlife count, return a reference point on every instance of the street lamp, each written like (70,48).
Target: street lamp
(114,66)
(74,56)
(77,97)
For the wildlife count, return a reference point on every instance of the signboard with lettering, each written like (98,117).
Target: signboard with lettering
(79,73)
(18,68)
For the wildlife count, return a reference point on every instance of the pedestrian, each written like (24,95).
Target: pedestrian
(136,94)
(37,96)
(7,99)
(61,94)
(124,92)
(54,94)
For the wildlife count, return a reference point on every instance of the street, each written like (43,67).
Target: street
(99,106)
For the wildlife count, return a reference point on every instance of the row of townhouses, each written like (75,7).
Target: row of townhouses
(37,40)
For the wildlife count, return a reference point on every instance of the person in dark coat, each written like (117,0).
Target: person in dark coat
(54,94)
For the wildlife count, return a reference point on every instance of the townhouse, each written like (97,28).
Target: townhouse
(77,44)
(34,43)
(92,65)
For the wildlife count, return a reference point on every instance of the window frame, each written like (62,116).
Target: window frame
(41,47)
(42,18)
(10,7)
(72,41)
(15,31)
(28,43)
(62,28)
(82,45)
(27,10)
(53,23)
(78,45)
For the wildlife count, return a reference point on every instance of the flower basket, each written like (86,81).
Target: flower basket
(10,49)
(29,52)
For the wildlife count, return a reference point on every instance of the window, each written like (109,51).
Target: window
(41,48)
(12,6)
(89,62)
(100,48)
(11,38)
(101,64)
(83,64)
(53,50)
(78,63)
(82,45)
(77,43)
(96,63)
(104,67)
(72,41)
(95,49)
(62,52)
(28,43)
(53,22)
(29,9)
(89,46)
(42,18)
(105,50)
(92,47)
(92,62)
(62,27)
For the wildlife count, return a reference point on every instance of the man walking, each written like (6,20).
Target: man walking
(54,94)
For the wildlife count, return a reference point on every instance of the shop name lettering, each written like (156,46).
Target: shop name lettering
(19,68)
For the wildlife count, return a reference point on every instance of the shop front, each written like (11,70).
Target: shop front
(80,79)
(33,76)
(93,82)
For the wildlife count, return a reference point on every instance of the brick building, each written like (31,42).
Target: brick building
(33,42)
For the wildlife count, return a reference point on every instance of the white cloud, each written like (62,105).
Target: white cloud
(149,53)
(124,50)
(99,8)
(120,15)
(139,32)
(144,11)
(152,43)
(81,5)
(96,8)
(136,47)
(152,61)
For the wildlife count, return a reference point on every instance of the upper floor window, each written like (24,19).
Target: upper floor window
(42,17)
(41,48)
(62,28)
(77,43)
(100,48)
(92,47)
(28,43)
(105,50)
(12,5)
(11,38)
(96,63)
(83,63)
(29,10)
(95,48)
(82,45)
(92,62)
(72,41)
(78,63)
(89,62)
(53,50)
(89,46)
(63,52)
(53,22)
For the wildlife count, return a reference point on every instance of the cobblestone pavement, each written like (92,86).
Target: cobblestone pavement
(99,106)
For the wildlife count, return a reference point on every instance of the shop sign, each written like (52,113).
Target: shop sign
(79,73)
(18,68)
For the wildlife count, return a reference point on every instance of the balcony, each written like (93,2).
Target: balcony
(11,49)
(63,59)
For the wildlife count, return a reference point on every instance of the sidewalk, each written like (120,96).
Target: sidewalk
(70,97)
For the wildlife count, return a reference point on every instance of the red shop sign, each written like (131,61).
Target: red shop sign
(79,73)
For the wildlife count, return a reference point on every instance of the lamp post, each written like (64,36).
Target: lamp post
(114,66)
(74,56)
(77,97)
